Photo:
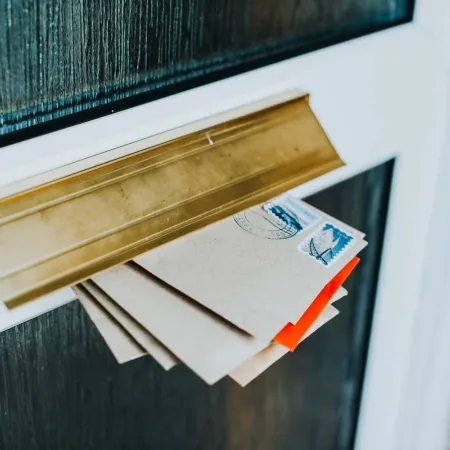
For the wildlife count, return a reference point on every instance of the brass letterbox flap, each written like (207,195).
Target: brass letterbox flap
(73,225)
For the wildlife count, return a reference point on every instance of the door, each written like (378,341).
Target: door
(379,97)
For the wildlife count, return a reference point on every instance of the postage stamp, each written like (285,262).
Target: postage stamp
(291,212)
(282,218)
(326,243)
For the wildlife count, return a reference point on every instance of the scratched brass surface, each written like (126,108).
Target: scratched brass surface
(61,233)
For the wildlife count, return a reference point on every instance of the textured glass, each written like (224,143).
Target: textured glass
(62,57)
(61,388)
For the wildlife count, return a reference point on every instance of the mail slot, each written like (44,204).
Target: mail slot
(66,226)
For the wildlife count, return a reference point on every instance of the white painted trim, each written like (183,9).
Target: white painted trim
(423,418)
(26,312)
(426,392)
(379,96)
(330,91)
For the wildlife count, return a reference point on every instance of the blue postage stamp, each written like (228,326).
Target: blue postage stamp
(326,243)
(290,213)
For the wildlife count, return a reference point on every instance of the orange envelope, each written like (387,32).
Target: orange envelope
(291,335)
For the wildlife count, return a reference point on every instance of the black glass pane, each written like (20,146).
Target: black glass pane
(65,61)
(60,387)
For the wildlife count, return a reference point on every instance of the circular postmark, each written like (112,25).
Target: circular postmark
(263,225)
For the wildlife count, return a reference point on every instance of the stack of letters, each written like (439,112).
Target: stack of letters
(232,298)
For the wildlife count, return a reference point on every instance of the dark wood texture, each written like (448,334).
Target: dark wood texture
(65,61)
(60,388)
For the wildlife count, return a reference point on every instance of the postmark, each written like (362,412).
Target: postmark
(282,218)
(326,244)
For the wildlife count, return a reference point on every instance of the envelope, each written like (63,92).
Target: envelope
(291,334)
(121,344)
(151,345)
(198,337)
(256,365)
(260,269)
(206,343)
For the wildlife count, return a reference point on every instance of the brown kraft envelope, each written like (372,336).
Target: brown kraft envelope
(251,271)
(250,369)
(206,343)
(121,344)
(152,346)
